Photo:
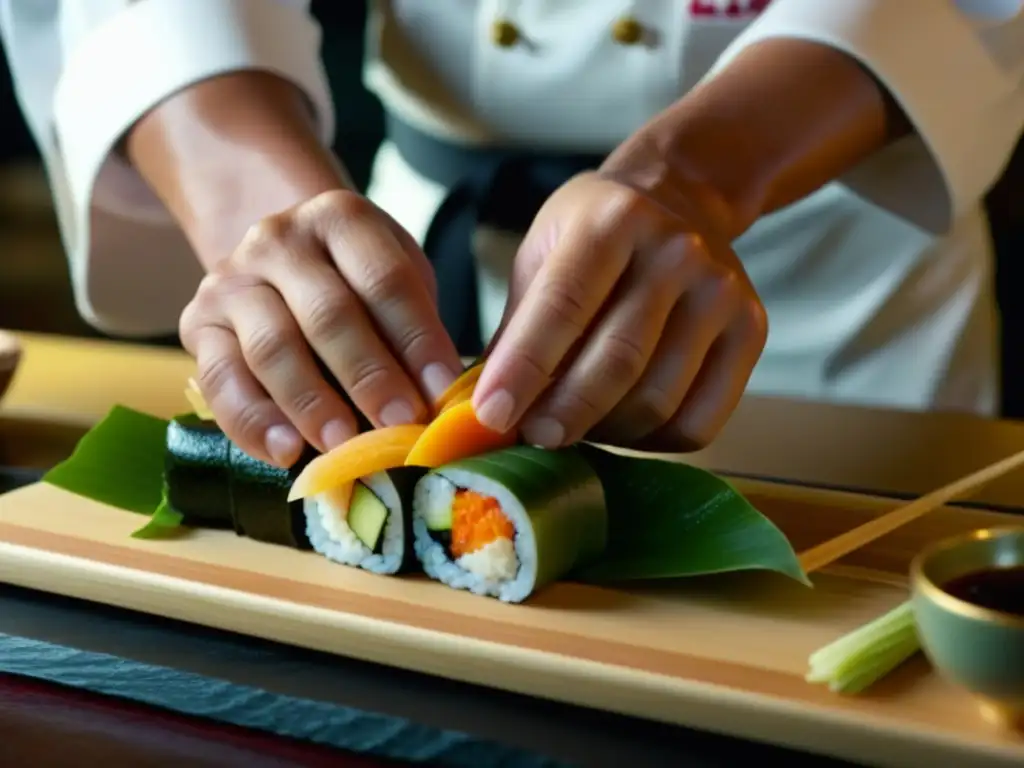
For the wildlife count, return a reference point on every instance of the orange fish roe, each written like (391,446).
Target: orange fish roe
(477,520)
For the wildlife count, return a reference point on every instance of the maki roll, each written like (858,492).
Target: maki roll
(212,483)
(197,472)
(356,499)
(507,523)
(366,524)
(260,506)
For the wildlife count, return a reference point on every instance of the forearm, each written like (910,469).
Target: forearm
(228,151)
(784,118)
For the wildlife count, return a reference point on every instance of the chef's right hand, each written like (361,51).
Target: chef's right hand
(335,277)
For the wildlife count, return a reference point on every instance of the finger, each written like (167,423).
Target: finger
(242,408)
(415,253)
(376,266)
(568,291)
(718,388)
(281,361)
(617,352)
(539,241)
(337,326)
(694,324)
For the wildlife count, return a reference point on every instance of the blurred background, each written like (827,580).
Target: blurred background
(35,293)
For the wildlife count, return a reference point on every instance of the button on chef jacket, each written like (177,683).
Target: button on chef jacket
(878,286)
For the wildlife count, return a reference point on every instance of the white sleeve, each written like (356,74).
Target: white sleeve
(956,67)
(84,72)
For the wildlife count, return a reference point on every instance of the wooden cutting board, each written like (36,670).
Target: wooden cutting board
(725,654)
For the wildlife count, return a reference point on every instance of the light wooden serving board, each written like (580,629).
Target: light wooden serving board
(725,654)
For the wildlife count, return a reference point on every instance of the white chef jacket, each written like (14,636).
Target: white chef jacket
(878,287)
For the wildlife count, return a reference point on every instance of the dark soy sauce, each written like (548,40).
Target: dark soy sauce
(998,589)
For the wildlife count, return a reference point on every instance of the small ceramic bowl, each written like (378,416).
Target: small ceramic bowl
(10,356)
(976,648)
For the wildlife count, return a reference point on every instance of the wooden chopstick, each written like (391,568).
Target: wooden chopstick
(828,552)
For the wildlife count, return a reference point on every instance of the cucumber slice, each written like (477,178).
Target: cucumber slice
(366,516)
(437,511)
(439,519)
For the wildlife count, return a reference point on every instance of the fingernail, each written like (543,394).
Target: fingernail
(437,377)
(335,433)
(397,412)
(283,444)
(496,411)
(544,432)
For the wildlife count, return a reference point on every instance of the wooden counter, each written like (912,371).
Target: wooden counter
(66,384)
(77,380)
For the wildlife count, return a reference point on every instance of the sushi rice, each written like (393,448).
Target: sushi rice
(330,535)
(504,569)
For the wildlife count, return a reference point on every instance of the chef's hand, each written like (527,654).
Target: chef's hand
(624,325)
(335,277)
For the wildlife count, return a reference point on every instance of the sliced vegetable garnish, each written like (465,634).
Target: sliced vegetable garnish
(365,454)
(461,389)
(864,656)
(456,434)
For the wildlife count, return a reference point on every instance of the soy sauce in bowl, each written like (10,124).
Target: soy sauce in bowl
(968,598)
(997,589)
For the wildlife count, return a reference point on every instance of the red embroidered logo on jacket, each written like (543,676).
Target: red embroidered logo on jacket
(733,9)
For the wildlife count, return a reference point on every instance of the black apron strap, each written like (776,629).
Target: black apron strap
(498,188)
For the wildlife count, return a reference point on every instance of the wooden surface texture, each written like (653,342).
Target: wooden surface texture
(726,654)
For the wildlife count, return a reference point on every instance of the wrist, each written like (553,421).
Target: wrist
(779,121)
(228,152)
(230,200)
(651,163)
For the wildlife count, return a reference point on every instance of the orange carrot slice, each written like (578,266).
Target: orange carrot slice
(456,434)
(459,388)
(477,520)
(461,396)
(365,454)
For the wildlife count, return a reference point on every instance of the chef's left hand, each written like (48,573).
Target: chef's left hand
(626,323)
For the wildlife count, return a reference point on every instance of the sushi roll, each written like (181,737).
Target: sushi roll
(367,524)
(212,483)
(260,506)
(197,479)
(506,523)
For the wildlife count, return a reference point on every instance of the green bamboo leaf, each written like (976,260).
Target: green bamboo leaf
(119,462)
(669,520)
(163,523)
